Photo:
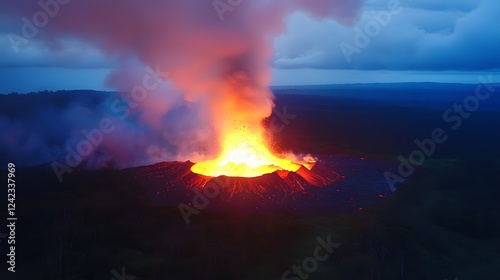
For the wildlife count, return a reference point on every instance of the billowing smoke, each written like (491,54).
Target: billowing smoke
(214,56)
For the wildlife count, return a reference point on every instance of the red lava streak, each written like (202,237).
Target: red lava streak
(179,174)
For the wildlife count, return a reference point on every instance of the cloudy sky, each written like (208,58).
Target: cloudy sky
(390,41)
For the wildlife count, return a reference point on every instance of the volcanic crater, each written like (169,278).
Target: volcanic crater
(332,184)
(175,174)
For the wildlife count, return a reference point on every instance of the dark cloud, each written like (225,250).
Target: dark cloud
(452,35)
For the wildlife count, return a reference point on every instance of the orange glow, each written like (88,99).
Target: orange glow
(236,112)
(245,154)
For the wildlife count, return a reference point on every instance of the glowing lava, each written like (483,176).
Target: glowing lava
(245,154)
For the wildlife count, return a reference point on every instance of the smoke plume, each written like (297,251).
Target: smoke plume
(215,56)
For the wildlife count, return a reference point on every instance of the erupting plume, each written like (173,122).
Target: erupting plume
(238,116)
(218,57)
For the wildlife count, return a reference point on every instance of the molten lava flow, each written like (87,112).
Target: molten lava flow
(245,154)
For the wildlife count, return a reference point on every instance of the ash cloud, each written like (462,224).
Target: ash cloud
(216,70)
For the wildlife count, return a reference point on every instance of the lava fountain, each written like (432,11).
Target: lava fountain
(243,147)
(245,154)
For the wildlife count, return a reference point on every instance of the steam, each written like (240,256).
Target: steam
(215,55)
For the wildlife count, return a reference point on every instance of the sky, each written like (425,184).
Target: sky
(386,41)
(179,65)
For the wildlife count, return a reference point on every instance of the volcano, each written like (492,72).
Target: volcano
(179,174)
(331,184)
(175,182)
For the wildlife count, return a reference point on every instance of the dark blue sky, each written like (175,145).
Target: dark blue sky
(390,41)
